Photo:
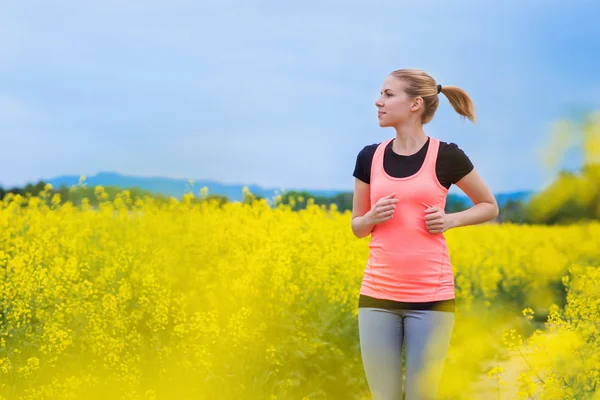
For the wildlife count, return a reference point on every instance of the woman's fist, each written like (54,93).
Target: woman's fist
(383,210)
(436,220)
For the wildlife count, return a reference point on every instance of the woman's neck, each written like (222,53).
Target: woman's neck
(409,140)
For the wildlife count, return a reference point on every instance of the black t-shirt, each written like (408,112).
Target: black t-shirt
(452,164)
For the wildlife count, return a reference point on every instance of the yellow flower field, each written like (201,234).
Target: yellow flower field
(143,300)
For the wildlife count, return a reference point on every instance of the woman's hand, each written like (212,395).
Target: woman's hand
(437,220)
(383,210)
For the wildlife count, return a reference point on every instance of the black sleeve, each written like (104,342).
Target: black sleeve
(453,164)
(364,159)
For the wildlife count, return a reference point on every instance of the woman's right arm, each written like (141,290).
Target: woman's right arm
(361,207)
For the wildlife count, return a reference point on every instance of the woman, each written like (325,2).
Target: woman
(407,291)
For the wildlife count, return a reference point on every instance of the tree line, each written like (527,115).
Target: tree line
(573,197)
(570,199)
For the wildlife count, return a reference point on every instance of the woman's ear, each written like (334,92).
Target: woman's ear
(417,103)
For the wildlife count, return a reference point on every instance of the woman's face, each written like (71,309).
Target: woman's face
(395,107)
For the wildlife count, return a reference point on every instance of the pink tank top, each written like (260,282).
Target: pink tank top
(406,262)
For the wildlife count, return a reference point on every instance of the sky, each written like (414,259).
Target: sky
(282,94)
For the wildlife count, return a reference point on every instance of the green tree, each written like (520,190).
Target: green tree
(573,196)
(298,200)
(513,211)
(454,203)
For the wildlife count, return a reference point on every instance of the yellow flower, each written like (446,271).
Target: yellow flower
(141,297)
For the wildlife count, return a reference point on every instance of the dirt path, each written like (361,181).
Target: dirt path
(487,388)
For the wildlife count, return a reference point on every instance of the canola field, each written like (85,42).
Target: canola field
(137,299)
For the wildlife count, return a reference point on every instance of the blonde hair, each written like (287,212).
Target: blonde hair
(421,84)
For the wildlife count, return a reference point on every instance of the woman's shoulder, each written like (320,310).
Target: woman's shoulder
(451,149)
(364,160)
(368,150)
(451,157)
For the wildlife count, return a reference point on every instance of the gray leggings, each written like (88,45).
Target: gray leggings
(383,332)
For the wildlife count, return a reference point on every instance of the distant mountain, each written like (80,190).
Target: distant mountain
(515,196)
(501,198)
(178,187)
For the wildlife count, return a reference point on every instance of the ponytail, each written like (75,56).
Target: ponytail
(421,84)
(460,101)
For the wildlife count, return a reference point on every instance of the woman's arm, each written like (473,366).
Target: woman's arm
(485,207)
(361,205)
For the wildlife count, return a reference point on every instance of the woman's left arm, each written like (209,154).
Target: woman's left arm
(485,207)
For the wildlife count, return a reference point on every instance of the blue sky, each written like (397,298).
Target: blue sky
(281,94)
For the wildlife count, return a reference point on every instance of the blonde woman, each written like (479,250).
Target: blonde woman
(407,291)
